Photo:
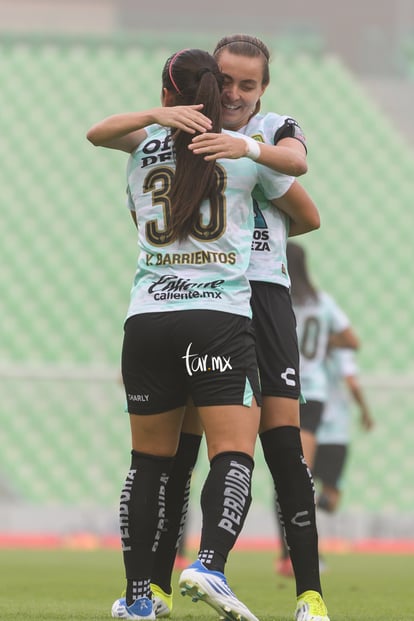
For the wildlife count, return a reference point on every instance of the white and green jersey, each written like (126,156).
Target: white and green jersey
(335,427)
(315,321)
(208,269)
(271,229)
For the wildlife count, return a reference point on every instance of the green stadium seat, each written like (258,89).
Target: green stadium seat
(69,253)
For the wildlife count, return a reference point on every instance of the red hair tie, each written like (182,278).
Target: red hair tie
(173,59)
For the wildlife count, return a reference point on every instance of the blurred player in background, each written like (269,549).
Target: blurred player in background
(321,325)
(334,433)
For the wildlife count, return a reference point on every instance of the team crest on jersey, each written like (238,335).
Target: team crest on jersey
(257,137)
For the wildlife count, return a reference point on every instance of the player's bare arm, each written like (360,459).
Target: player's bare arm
(355,388)
(287,157)
(302,211)
(214,146)
(347,338)
(125,131)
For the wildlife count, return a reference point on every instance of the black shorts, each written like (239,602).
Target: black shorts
(329,463)
(277,350)
(311,415)
(168,357)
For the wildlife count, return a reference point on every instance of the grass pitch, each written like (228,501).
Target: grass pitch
(69,585)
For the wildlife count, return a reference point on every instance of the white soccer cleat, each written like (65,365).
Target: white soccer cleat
(211,587)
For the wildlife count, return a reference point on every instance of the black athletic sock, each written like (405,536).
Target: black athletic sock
(295,491)
(141,517)
(177,498)
(225,501)
(284,550)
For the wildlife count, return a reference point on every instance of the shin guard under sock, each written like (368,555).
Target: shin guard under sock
(295,491)
(177,498)
(141,517)
(225,501)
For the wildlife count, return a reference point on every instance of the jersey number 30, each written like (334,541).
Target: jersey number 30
(158,182)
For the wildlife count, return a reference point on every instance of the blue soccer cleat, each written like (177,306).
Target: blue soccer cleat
(211,587)
(141,609)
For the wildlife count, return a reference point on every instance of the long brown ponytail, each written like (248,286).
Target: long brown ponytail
(194,77)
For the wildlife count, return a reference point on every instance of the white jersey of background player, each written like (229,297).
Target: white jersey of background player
(221,284)
(316,320)
(335,427)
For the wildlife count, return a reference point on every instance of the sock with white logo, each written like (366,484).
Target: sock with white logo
(282,449)
(225,501)
(178,493)
(141,517)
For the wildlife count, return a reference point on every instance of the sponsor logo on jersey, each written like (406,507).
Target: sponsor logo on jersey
(260,241)
(157,151)
(175,288)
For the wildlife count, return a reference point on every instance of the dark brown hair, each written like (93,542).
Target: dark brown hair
(194,77)
(246,45)
(302,289)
